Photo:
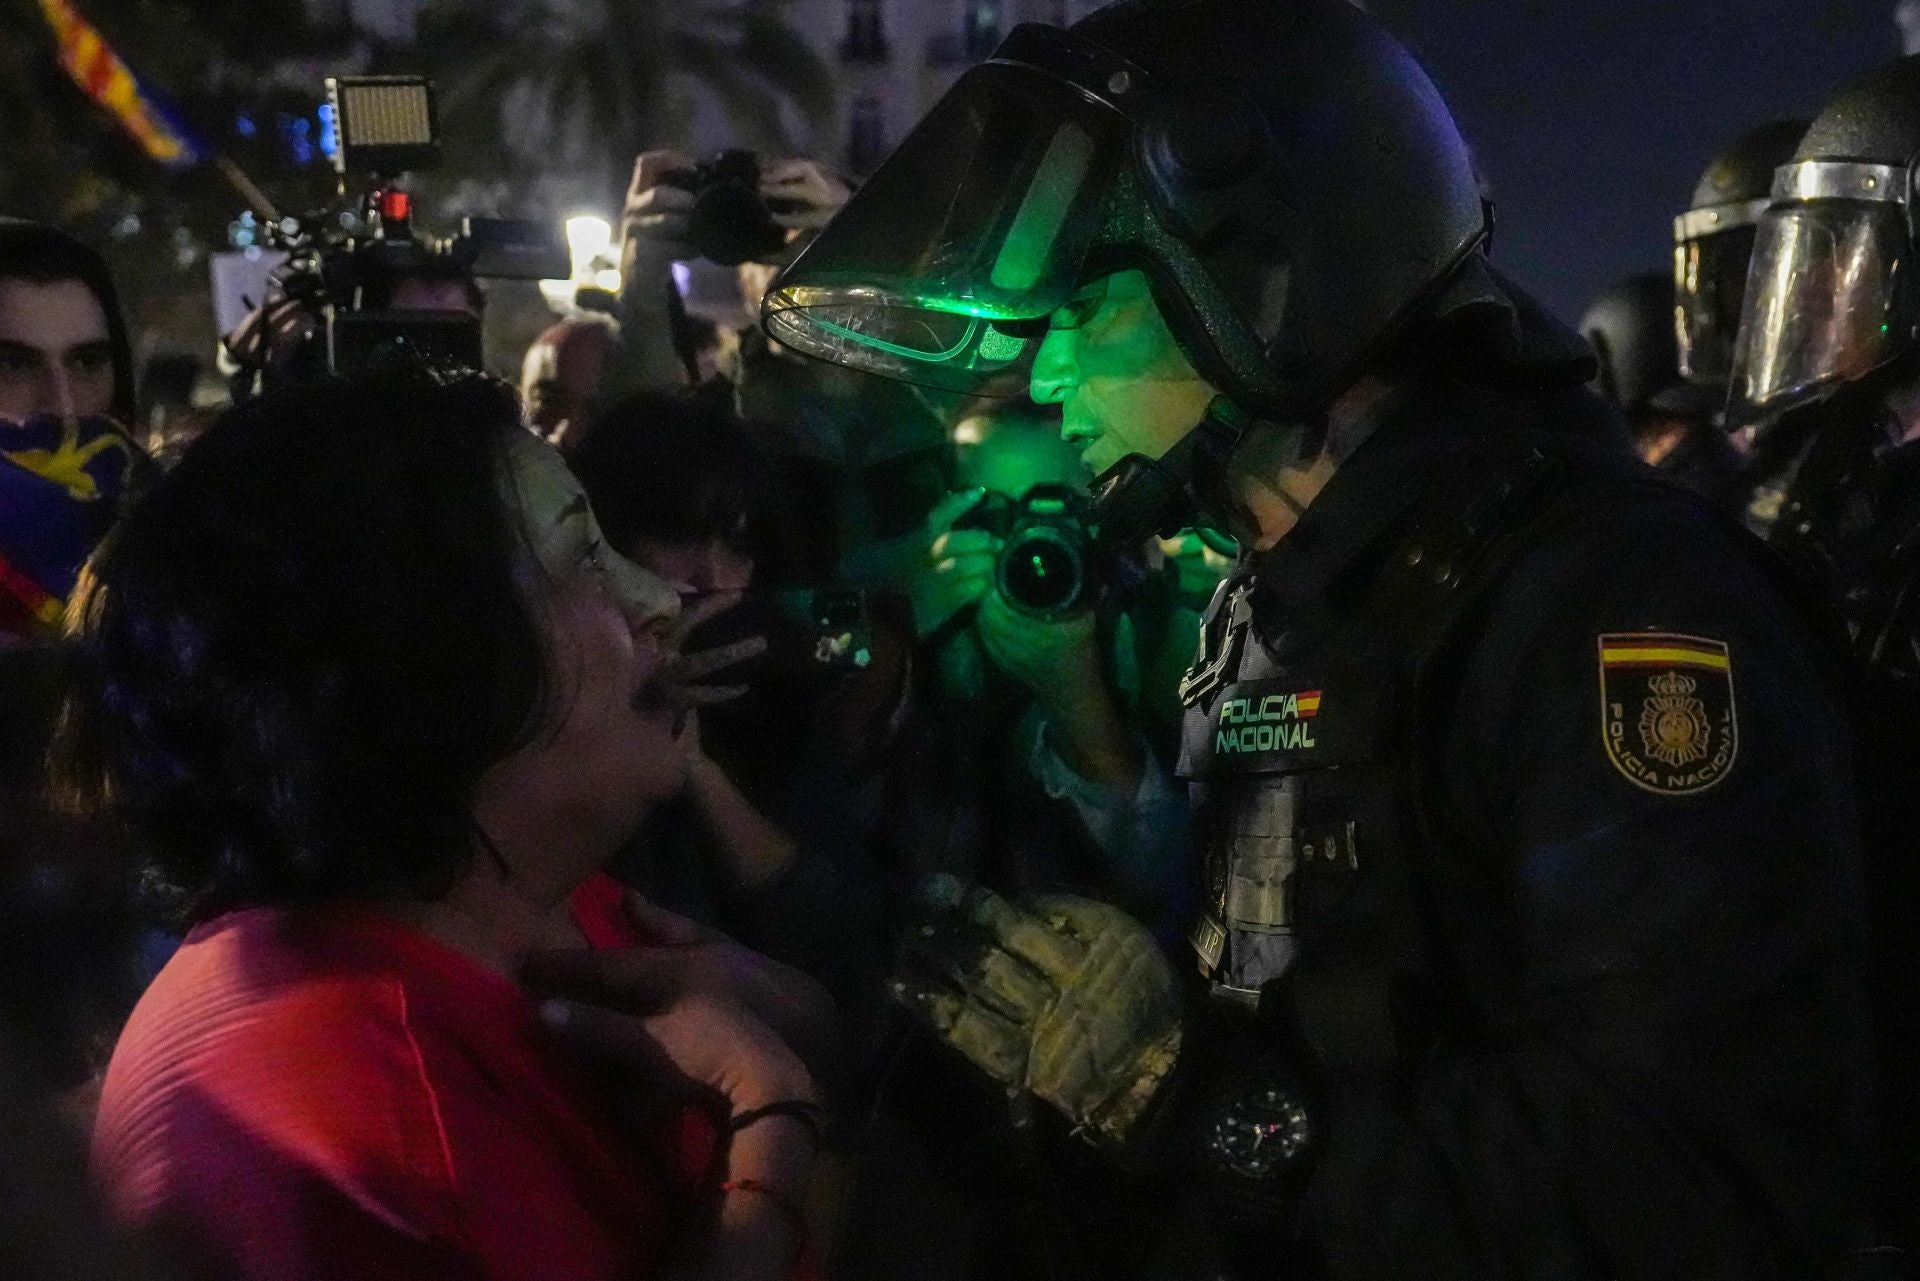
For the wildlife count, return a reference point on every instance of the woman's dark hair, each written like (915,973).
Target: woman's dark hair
(679,466)
(300,651)
(43,255)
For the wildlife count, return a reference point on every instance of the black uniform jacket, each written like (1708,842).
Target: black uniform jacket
(1652,1056)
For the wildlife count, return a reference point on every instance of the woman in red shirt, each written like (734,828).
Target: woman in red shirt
(383,705)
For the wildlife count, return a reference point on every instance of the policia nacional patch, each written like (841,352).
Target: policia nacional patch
(1666,710)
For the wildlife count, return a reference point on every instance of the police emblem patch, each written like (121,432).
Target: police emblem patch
(1667,712)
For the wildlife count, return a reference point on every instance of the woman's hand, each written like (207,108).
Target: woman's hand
(683,961)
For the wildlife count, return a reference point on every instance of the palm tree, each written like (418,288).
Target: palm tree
(570,90)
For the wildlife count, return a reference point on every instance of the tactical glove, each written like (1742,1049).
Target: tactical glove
(1064,998)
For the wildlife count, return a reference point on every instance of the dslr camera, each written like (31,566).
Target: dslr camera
(344,261)
(731,222)
(1046,561)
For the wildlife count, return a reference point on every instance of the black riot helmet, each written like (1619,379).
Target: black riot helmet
(1630,328)
(1286,176)
(1831,294)
(1713,244)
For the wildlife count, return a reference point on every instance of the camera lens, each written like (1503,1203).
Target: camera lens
(1043,572)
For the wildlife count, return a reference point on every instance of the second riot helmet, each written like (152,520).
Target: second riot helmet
(1831,294)
(1713,244)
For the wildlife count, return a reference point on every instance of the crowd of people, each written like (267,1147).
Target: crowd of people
(1157,717)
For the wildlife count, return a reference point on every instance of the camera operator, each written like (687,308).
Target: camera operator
(283,338)
(870,457)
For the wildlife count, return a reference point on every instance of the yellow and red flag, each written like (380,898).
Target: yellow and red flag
(97,69)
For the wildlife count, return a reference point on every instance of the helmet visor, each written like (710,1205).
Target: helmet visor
(1709,287)
(971,232)
(1824,284)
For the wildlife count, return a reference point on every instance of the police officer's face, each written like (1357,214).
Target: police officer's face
(55,355)
(1122,382)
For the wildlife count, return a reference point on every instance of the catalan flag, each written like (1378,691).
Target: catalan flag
(96,68)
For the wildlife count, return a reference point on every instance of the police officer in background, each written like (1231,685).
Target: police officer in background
(1827,373)
(1530,924)
(1713,244)
(1674,422)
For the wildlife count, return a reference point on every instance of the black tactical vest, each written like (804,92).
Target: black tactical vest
(1312,751)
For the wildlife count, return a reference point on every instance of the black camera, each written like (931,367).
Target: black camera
(730,222)
(347,262)
(1046,559)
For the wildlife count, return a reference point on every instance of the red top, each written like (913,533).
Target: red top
(328,1093)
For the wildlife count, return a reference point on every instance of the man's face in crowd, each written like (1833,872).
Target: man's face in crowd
(559,378)
(55,354)
(1122,382)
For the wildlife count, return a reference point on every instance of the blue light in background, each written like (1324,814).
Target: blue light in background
(329,132)
(244,126)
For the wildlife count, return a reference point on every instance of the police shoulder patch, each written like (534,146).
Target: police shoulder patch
(1667,716)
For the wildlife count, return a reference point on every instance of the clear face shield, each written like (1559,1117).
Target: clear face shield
(1712,250)
(1828,286)
(944,267)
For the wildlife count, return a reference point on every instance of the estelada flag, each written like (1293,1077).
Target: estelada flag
(96,68)
(61,484)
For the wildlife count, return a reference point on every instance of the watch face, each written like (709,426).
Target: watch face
(1259,1133)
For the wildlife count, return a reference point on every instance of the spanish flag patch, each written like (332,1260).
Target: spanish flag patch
(1667,715)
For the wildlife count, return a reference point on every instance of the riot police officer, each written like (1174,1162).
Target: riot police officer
(1827,373)
(1713,244)
(1674,422)
(1529,911)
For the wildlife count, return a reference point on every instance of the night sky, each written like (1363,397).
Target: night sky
(1594,118)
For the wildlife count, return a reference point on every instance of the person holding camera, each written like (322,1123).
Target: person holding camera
(869,457)
(1034,651)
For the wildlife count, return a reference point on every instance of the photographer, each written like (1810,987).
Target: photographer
(1058,693)
(870,457)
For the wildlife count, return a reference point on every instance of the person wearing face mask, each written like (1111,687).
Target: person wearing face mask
(1530,941)
(71,961)
(365,674)
(66,403)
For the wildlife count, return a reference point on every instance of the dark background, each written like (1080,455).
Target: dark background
(1593,119)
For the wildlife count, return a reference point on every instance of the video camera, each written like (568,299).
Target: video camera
(1046,560)
(345,261)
